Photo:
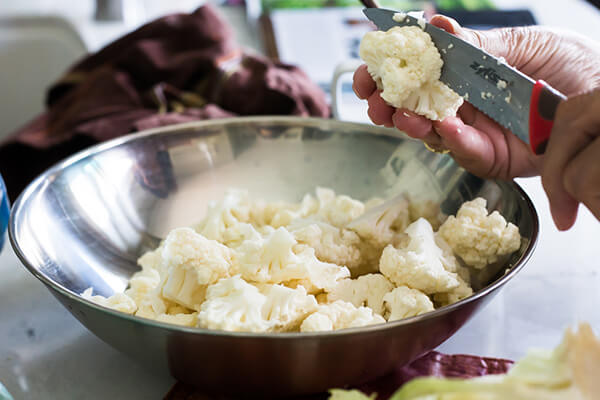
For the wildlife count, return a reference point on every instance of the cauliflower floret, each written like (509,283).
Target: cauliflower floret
(404,302)
(406,65)
(193,262)
(447,257)
(419,265)
(142,283)
(273,260)
(280,214)
(381,227)
(151,259)
(460,292)
(153,304)
(118,301)
(221,215)
(183,319)
(238,234)
(367,290)
(233,304)
(478,238)
(331,244)
(338,210)
(285,308)
(339,315)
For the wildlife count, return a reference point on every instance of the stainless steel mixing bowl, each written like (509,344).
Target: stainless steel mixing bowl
(84,222)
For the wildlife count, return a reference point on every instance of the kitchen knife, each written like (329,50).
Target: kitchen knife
(511,98)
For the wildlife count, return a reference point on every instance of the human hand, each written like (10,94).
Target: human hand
(571,166)
(565,60)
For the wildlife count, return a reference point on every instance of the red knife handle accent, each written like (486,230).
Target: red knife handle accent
(542,107)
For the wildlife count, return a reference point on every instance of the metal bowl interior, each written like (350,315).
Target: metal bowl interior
(84,223)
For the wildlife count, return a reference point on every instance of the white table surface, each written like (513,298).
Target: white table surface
(46,354)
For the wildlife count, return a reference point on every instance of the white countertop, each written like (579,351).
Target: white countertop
(46,354)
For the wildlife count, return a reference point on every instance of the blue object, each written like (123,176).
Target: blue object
(4,395)
(4,212)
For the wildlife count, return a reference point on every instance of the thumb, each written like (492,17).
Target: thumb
(508,43)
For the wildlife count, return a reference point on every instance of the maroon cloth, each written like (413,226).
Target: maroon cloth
(179,68)
(431,364)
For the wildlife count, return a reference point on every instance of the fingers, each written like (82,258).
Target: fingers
(363,85)
(379,111)
(470,148)
(582,177)
(576,125)
(412,124)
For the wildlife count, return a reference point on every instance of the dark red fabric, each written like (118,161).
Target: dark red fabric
(431,364)
(179,68)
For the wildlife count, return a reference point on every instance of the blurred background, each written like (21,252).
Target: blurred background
(39,39)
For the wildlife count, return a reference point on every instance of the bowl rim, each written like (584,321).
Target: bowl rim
(38,183)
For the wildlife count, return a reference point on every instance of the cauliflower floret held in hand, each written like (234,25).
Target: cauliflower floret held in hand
(477,238)
(406,66)
(257,266)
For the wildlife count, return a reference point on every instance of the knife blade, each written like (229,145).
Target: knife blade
(511,98)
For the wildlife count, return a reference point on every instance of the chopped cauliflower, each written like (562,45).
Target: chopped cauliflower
(477,238)
(193,262)
(282,214)
(366,290)
(463,290)
(233,209)
(183,319)
(286,308)
(272,259)
(338,210)
(406,66)
(118,301)
(404,302)
(333,245)
(419,265)
(339,315)
(142,283)
(384,224)
(233,304)
(383,227)
(259,266)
